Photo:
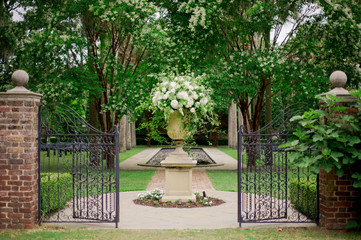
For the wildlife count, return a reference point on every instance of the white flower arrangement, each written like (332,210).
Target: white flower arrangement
(185,94)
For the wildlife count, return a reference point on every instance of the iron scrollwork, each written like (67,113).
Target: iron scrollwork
(76,181)
(270,189)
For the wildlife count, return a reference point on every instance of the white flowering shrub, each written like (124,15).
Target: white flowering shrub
(185,94)
(156,194)
(203,200)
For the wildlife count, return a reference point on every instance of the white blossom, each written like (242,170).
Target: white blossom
(183,95)
(190,103)
(173,85)
(174,103)
(204,101)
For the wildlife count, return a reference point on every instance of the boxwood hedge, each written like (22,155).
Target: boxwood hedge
(303,195)
(56,191)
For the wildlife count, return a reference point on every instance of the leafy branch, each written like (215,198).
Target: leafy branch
(328,138)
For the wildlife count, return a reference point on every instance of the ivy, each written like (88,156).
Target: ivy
(323,141)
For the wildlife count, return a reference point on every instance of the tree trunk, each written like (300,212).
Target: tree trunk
(148,116)
(122,134)
(109,157)
(252,125)
(268,152)
(240,121)
(232,126)
(240,118)
(268,104)
(93,121)
(215,137)
(128,135)
(134,136)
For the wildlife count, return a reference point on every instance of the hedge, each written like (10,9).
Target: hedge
(303,195)
(56,191)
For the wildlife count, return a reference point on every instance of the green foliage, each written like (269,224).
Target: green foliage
(323,140)
(341,38)
(56,191)
(153,123)
(303,195)
(156,195)
(99,51)
(232,42)
(354,224)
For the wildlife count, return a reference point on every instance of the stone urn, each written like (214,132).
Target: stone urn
(176,129)
(178,166)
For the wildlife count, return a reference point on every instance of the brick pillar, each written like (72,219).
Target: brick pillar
(339,201)
(18,155)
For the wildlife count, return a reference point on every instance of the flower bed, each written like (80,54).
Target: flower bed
(153,199)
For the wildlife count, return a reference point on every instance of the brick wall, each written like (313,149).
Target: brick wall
(339,200)
(18,160)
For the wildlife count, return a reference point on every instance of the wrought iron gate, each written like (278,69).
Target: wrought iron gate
(78,168)
(270,189)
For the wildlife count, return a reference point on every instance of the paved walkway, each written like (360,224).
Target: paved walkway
(134,216)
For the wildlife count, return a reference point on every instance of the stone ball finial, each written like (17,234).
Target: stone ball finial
(20,78)
(338,79)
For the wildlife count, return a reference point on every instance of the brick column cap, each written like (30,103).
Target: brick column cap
(20,95)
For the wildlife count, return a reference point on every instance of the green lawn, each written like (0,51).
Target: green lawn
(223,180)
(252,233)
(226,180)
(134,180)
(52,161)
(231,152)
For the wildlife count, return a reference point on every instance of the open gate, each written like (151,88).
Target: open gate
(78,168)
(270,189)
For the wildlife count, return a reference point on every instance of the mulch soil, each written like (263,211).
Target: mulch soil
(161,204)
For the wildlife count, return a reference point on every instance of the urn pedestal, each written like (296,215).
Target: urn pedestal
(178,166)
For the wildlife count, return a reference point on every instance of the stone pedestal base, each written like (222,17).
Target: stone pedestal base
(178,184)
(178,176)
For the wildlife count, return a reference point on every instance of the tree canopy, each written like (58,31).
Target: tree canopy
(264,54)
